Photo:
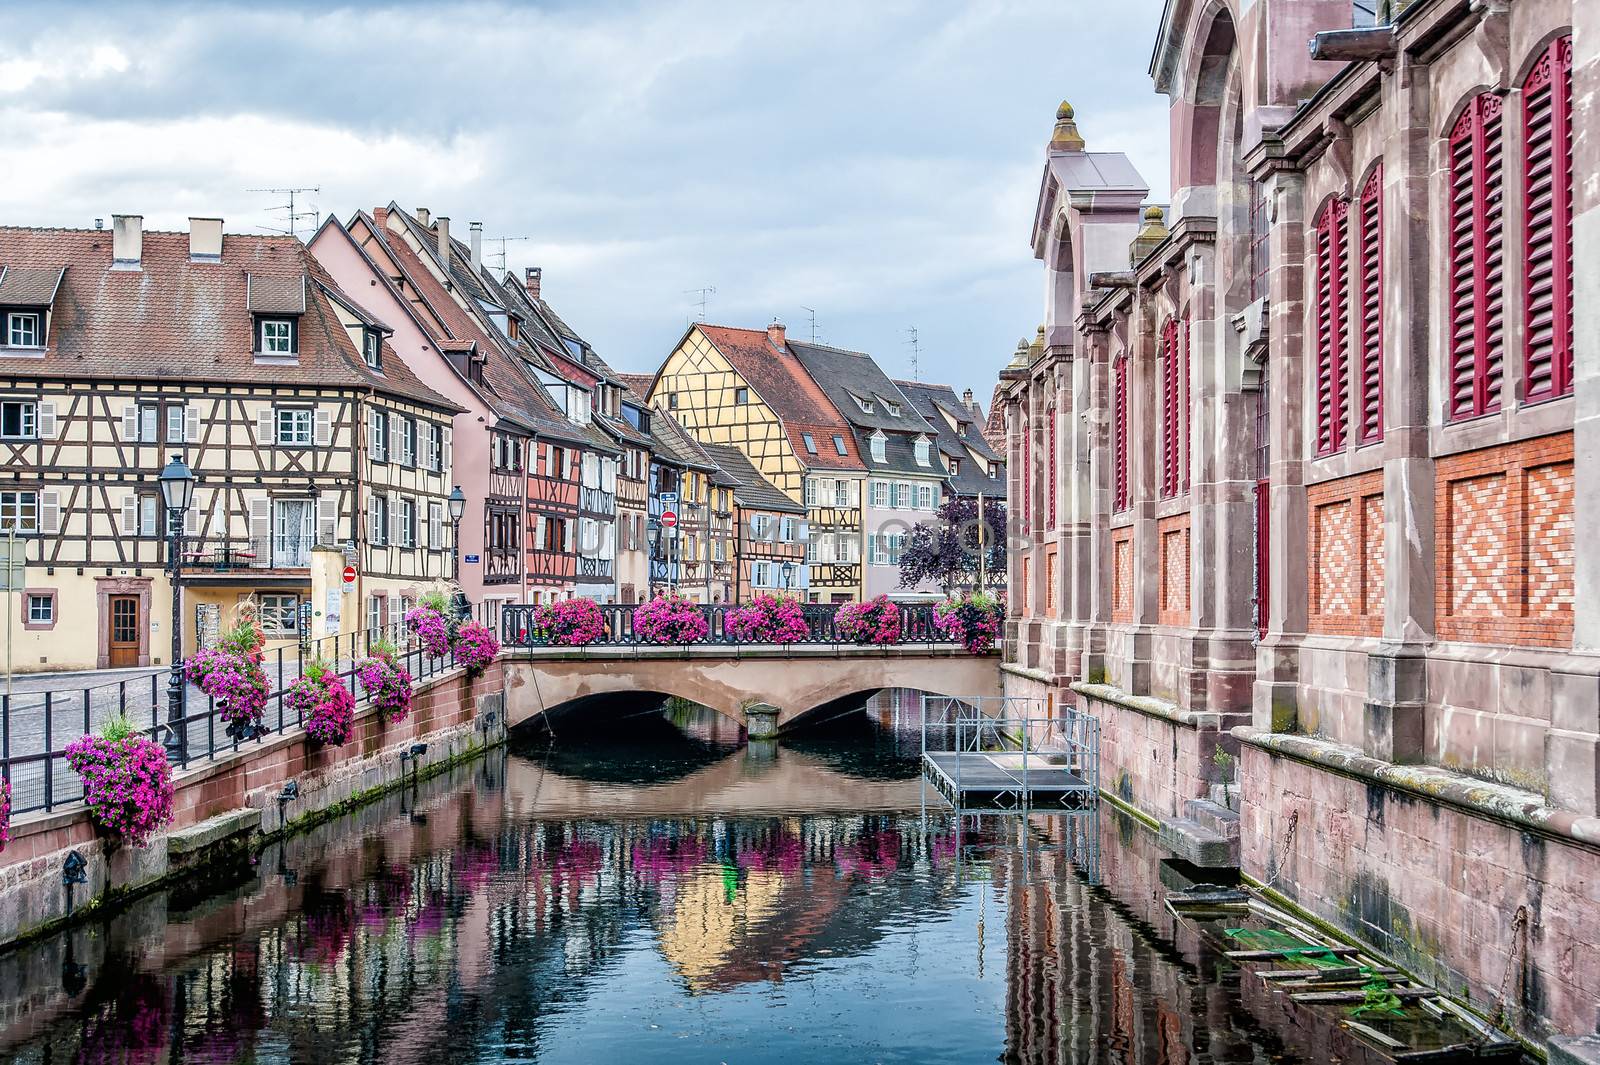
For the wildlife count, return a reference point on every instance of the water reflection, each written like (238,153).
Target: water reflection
(567,903)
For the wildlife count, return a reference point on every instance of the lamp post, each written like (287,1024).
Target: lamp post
(787,569)
(177,492)
(652,533)
(458,507)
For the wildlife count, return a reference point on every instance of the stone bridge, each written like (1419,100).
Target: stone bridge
(778,684)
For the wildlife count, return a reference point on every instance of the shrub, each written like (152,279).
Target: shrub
(769,619)
(570,622)
(324,703)
(476,648)
(231,673)
(669,619)
(127,783)
(975,620)
(5,813)
(876,621)
(386,682)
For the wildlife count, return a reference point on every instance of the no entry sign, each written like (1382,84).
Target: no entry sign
(349,574)
(669,518)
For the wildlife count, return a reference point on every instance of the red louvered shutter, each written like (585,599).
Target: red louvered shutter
(1120,427)
(1547,223)
(1027,476)
(1331,376)
(1051,473)
(1169,409)
(1477,261)
(1186,410)
(1369,306)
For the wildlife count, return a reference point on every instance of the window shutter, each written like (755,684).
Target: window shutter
(1120,427)
(1186,406)
(1369,307)
(130,422)
(1050,474)
(324,427)
(1169,409)
(1547,223)
(327,519)
(49,512)
(1332,391)
(193,518)
(261,527)
(130,514)
(264,426)
(396,430)
(435,526)
(444,462)
(174,424)
(1477,273)
(47,421)
(396,533)
(191,423)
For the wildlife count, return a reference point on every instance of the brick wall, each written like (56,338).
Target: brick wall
(1050,581)
(1504,542)
(1172,536)
(1122,574)
(1346,560)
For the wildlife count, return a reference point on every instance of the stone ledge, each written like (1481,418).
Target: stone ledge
(213,830)
(1521,809)
(1150,706)
(1574,1050)
(1037,675)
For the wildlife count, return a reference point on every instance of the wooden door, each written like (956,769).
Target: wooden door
(124,621)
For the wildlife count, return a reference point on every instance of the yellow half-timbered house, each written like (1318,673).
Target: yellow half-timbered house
(747,388)
(314,449)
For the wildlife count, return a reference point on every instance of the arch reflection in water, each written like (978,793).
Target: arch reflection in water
(753,909)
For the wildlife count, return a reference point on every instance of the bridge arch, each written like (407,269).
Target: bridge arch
(795,681)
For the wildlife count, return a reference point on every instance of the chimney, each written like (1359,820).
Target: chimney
(530,280)
(205,240)
(476,229)
(441,226)
(775,334)
(423,215)
(966,398)
(127,241)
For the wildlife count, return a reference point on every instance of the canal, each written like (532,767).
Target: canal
(673,898)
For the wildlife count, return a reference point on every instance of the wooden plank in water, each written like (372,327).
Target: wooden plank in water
(1275,955)
(1373,1034)
(1340,973)
(1403,993)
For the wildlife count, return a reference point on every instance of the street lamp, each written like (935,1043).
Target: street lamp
(177,492)
(787,569)
(458,506)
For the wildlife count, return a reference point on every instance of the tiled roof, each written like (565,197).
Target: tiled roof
(849,376)
(270,294)
(673,442)
(930,400)
(177,319)
(751,489)
(784,385)
(29,286)
(637,383)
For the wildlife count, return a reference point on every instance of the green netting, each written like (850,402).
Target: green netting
(1379,997)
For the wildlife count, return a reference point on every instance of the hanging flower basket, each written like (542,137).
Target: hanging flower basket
(5,813)
(876,622)
(669,620)
(323,701)
(431,629)
(127,782)
(476,648)
(974,620)
(570,623)
(386,682)
(769,619)
(231,673)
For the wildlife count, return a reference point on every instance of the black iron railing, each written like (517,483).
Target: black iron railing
(36,726)
(519,628)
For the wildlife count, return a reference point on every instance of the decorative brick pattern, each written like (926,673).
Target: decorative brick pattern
(1504,543)
(1122,575)
(1050,581)
(1346,563)
(1172,535)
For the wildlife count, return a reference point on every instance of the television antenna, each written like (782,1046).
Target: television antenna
(704,293)
(294,216)
(812,311)
(916,351)
(501,254)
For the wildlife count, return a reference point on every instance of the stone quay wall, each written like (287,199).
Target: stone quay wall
(231,804)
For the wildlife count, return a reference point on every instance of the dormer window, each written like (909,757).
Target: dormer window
(865,405)
(372,348)
(955,467)
(879,443)
(24,329)
(892,407)
(275,337)
(921,451)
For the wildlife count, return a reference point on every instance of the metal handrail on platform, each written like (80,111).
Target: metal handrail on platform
(1059,751)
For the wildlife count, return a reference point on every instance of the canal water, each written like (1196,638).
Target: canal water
(672,898)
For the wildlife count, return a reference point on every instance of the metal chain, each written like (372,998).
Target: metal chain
(1275,863)
(1519,937)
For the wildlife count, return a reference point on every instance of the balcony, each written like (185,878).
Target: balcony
(594,567)
(249,554)
(597,501)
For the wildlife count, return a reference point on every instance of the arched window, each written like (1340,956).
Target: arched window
(1477,261)
(1369,308)
(1547,223)
(1332,386)
(1170,410)
(1119,401)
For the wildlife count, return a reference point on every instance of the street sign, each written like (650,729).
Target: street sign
(349,574)
(13,560)
(669,518)
(471,560)
(669,497)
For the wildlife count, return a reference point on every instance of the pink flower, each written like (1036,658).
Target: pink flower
(975,620)
(476,648)
(127,783)
(386,683)
(5,813)
(569,623)
(429,626)
(668,620)
(324,703)
(874,622)
(769,619)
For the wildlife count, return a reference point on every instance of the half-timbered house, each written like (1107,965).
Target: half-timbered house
(770,554)
(312,444)
(972,468)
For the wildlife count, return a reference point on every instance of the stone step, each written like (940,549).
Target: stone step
(1199,844)
(1219,819)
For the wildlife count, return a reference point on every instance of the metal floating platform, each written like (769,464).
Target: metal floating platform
(1010,754)
(969,779)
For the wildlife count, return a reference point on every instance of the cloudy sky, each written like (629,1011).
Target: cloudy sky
(874,161)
